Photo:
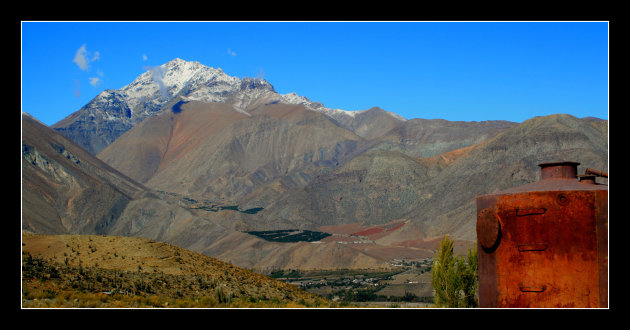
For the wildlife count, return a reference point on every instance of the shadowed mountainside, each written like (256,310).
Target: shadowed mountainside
(65,188)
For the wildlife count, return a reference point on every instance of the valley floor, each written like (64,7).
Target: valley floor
(408,286)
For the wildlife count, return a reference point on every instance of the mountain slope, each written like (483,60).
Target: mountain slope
(113,112)
(426,138)
(436,195)
(65,188)
(369,124)
(508,160)
(375,187)
(209,151)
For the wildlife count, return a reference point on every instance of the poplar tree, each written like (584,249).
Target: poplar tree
(454,277)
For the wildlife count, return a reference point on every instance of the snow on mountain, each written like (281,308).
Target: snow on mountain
(293,98)
(114,111)
(192,80)
(158,85)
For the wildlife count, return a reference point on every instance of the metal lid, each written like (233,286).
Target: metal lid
(558,170)
(556,176)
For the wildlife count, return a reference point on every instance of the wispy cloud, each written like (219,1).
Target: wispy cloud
(80,58)
(157,74)
(77,88)
(231,52)
(261,74)
(83,58)
(144,57)
(95,81)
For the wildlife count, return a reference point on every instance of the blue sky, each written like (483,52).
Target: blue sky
(466,71)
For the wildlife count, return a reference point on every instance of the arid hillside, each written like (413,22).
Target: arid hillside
(211,151)
(114,271)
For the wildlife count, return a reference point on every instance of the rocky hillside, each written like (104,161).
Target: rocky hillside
(67,189)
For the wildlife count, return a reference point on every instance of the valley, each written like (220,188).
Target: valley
(408,284)
(348,206)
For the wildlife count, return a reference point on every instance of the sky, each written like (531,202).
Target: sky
(458,71)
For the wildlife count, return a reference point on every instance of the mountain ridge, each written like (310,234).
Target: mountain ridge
(237,147)
(115,111)
(59,196)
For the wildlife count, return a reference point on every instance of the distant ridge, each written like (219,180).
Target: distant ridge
(199,147)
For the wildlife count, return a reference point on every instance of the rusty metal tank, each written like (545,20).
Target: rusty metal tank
(545,244)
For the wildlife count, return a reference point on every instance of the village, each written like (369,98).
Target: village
(408,282)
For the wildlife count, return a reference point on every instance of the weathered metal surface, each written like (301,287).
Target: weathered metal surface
(544,244)
(560,170)
(488,228)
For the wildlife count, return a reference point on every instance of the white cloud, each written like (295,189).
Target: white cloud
(157,74)
(144,57)
(95,81)
(82,57)
(231,53)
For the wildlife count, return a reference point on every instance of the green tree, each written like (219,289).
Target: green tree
(454,277)
(470,278)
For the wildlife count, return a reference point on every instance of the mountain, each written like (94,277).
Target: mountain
(209,151)
(375,187)
(215,158)
(66,190)
(113,112)
(368,124)
(436,195)
(508,160)
(429,137)
(306,170)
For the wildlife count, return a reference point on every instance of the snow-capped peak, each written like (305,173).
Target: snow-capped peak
(191,80)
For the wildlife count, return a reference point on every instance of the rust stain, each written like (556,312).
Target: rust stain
(551,246)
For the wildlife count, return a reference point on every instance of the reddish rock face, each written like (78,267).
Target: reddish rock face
(545,244)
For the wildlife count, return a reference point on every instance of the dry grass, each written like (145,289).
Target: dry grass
(88,271)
